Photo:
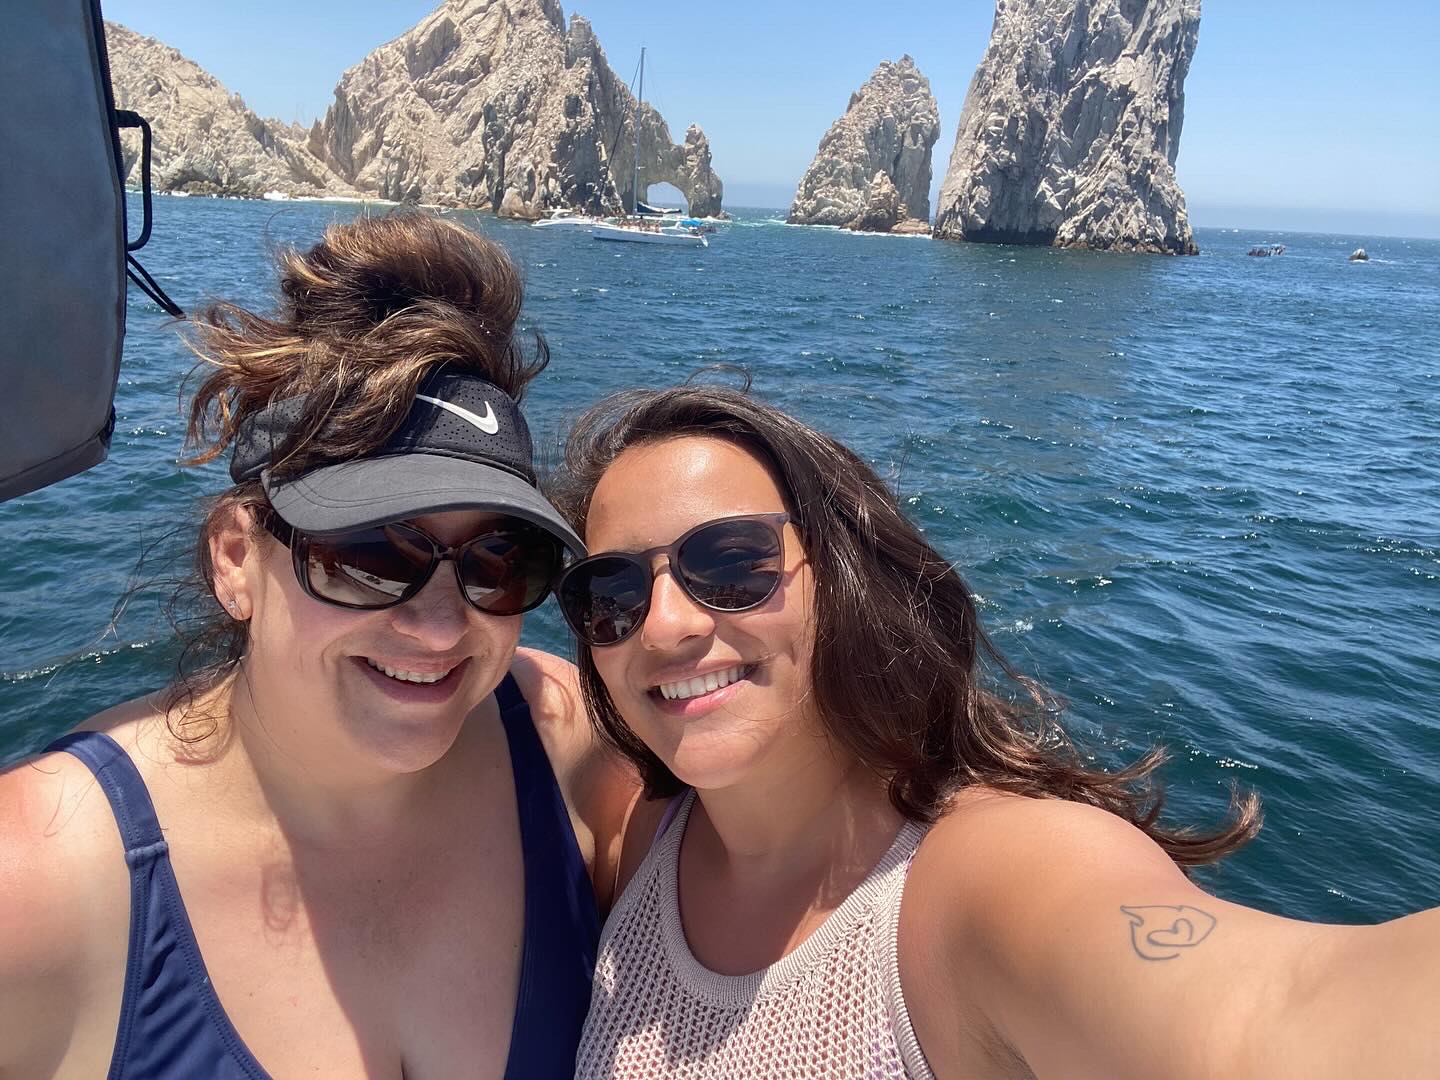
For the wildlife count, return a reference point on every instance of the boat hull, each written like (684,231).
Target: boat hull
(566,223)
(648,236)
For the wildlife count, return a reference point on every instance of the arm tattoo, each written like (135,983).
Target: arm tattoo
(1159,932)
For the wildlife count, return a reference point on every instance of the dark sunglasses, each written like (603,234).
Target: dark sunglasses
(506,570)
(731,564)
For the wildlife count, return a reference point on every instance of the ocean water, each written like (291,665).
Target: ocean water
(1199,497)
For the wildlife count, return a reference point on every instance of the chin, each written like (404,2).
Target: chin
(406,747)
(708,759)
(404,740)
(719,746)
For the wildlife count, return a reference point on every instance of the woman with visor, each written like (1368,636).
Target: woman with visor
(362,835)
(863,857)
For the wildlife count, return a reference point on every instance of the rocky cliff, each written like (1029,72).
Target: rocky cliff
(872,169)
(494,104)
(1071,126)
(205,138)
(491,104)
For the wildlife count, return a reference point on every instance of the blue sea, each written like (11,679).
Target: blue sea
(1199,497)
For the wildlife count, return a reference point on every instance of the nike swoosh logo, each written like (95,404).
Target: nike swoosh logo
(486,423)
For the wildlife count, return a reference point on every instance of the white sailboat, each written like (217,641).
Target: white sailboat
(639,232)
(566,218)
(635,229)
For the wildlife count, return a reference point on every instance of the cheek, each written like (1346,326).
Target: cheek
(610,665)
(806,622)
(287,622)
(789,622)
(501,635)
(274,590)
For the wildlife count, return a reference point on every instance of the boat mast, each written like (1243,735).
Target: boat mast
(635,172)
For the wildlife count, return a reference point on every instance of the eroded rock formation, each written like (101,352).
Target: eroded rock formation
(494,104)
(876,154)
(1071,127)
(883,209)
(206,140)
(491,104)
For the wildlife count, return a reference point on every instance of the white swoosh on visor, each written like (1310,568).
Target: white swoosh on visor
(487,423)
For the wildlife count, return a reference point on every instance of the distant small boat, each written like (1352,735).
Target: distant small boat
(1266,250)
(1358,255)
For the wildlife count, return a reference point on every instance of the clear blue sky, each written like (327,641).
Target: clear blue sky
(1319,114)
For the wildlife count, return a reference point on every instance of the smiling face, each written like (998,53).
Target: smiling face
(715,695)
(391,687)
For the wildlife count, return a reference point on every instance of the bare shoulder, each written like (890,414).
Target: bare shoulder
(991,841)
(534,668)
(1066,937)
(981,868)
(996,862)
(64,895)
(50,810)
(551,685)
(56,822)
(57,835)
(598,784)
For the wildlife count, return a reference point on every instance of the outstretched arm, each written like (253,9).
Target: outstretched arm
(1067,939)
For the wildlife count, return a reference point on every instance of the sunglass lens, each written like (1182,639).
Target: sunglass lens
(369,568)
(604,598)
(731,565)
(510,570)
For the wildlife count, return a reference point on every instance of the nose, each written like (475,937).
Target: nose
(437,616)
(673,616)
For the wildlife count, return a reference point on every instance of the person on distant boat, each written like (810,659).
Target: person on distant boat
(861,856)
(363,834)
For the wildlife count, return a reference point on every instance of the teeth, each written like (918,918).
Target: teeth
(701,684)
(408,676)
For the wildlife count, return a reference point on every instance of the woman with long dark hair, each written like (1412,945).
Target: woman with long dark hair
(870,849)
(362,834)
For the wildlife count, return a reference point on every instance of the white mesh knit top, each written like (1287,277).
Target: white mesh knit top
(831,1008)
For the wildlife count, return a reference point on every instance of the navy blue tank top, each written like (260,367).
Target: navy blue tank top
(172,1026)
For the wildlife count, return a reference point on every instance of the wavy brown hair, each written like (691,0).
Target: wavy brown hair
(363,317)
(903,675)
